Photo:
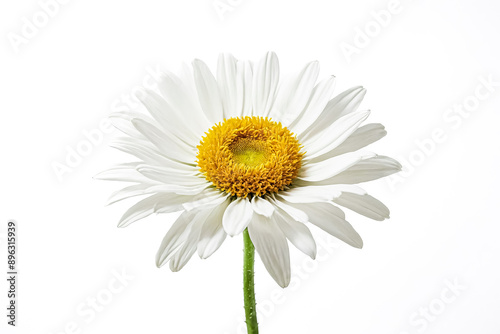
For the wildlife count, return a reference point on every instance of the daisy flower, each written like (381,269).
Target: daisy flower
(243,152)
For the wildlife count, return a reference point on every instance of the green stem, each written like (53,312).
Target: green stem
(248,284)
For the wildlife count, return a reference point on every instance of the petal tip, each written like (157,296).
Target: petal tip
(121,224)
(284,284)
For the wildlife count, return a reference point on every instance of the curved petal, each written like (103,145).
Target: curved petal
(147,152)
(362,137)
(262,206)
(341,105)
(175,237)
(208,91)
(315,172)
(184,102)
(212,234)
(272,247)
(320,96)
(124,172)
(293,95)
(130,191)
(365,205)
(227,80)
(207,197)
(186,251)
(265,82)
(318,194)
(298,215)
(335,134)
(169,175)
(364,170)
(244,88)
(310,194)
(165,115)
(179,244)
(330,218)
(123,122)
(130,174)
(150,205)
(298,233)
(172,148)
(237,216)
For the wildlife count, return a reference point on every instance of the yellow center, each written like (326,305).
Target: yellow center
(249,152)
(249,156)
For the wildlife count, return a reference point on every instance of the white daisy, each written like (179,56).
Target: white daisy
(242,150)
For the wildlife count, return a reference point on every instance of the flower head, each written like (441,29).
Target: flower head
(249,156)
(243,150)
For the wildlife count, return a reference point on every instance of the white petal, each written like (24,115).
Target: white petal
(212,233)
(129,173)
(310,194)
(227,80)
(179,190)
(184,102)
(169,175)
(207,197)
(148,153)
(265,82)
(208,91)
(262,206)
(124,172)
(151,204)
(123,122)
(298,233)
(293,95)
(318,194)
(237,216)
(319,98)
(186,251)
(335,134)
(366,170)
(314,172)
(130,191)
(144,150)
(295,213)
(363,136)
(171,148)
(331,219)
(175,237)
(165,115)
(272,247)
(365,205)
(244,88)
(341,105)
(349,188)
(208,246)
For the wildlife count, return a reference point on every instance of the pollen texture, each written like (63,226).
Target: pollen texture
(249,156)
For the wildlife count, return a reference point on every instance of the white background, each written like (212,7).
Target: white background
(91,55)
